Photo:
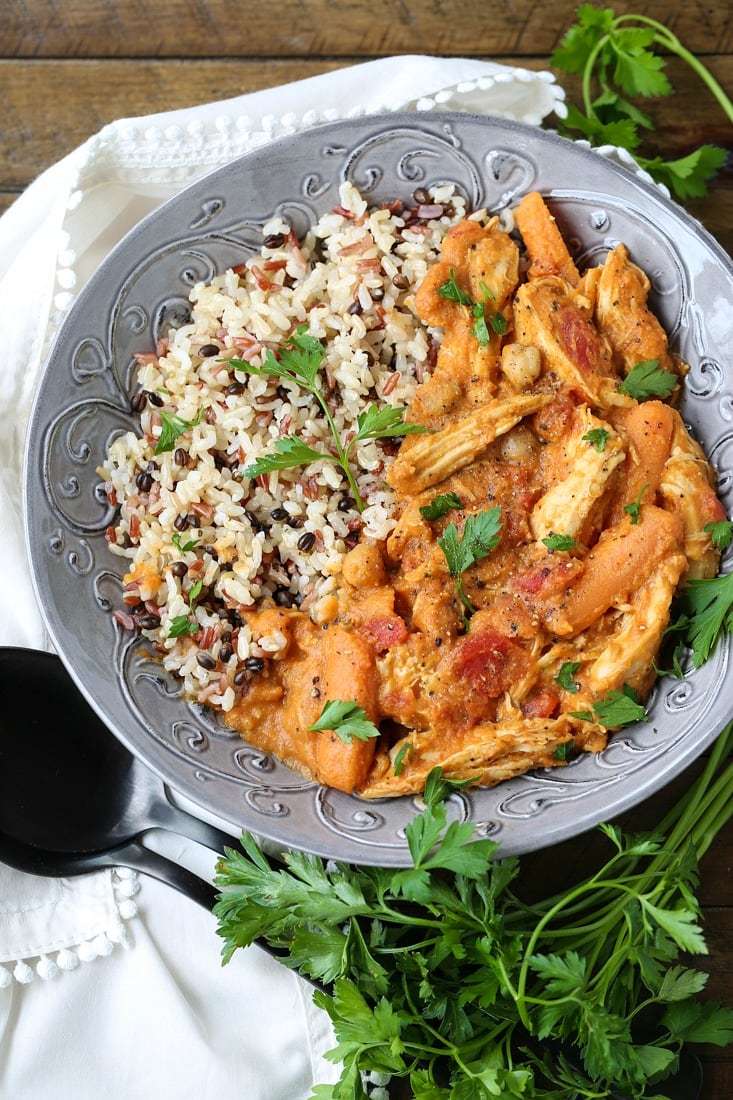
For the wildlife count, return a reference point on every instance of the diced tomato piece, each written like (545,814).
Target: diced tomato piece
(547,580)
(544,704)
(581,340)
(384,631)
(489,661)
(710,508)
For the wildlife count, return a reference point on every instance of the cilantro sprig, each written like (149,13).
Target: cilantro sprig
(617,59)
(442,975)
(480,535)
(298,362)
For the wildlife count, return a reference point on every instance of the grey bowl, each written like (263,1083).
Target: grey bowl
(143,286)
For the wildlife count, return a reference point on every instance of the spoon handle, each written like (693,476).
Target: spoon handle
(135,856)
(139,858)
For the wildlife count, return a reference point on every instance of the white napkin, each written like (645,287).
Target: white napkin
(51,240)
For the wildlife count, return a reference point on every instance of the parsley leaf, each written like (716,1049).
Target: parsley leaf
(687,177)
(559,542)
(564,677)
(443,971)
(565,750)
(183,547)
(598,437)
(182,625)
(401,758)
(289,451)
(451,291)
(172,427)
(382,423)
(618,708)
(648,379)
(481,533)
(634,509)
(439,506)
(347,720)
(721,533)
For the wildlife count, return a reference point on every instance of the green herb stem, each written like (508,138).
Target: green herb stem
(666,38)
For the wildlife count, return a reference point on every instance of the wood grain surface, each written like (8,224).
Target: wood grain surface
(68,67)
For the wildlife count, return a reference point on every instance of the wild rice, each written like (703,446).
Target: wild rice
(202,541)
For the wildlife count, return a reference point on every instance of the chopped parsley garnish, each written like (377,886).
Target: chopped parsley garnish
(347,720)
(451,291)
(559,542)
(481,533)
(481,323)
(299,362)
(401,758)
(598,437)
(564,677)
(565,750)
(182,625)
(721,533)
(440,506)
(634,509)
(172,427)
(648,379)
(183,547)
(618,708)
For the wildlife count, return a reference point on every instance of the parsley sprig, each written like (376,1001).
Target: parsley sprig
(617,59)
(648,379)
(347,720)
(618,708)
(480,535)
(442,975)
(703,614)
(182,625)
(299,362)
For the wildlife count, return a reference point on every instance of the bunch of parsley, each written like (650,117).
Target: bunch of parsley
(442,975)
(618,61)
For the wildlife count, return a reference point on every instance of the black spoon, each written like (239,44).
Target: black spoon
(73,799)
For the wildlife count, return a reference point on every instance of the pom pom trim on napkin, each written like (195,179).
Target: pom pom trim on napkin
(88,929)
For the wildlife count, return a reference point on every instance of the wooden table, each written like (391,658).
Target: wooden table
(68,69)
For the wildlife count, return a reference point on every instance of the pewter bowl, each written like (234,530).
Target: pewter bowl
(142,288)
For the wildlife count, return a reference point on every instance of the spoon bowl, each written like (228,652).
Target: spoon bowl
(72,798)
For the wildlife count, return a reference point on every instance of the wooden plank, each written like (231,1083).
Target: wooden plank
(50,107)
(311,28)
